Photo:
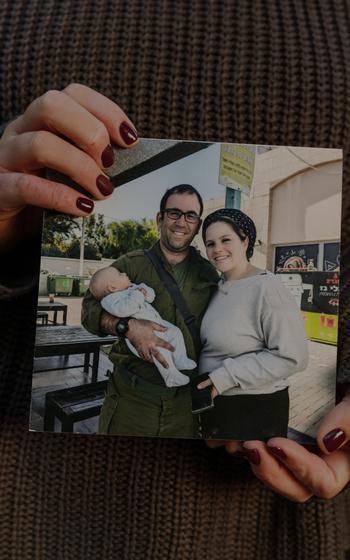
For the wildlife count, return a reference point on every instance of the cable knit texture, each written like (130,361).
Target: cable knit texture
(223,70)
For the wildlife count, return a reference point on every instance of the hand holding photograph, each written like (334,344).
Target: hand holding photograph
(205,291)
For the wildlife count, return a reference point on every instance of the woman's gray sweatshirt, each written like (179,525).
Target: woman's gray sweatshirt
(253,336)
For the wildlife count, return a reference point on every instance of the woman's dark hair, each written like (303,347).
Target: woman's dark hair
(181,189)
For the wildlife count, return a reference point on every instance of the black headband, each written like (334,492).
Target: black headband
(239,219)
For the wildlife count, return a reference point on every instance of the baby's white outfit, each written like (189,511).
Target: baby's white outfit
(133,303)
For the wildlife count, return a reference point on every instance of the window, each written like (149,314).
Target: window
(296,257)
(331,256)
(307,258)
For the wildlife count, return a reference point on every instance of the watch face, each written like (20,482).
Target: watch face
(122,326)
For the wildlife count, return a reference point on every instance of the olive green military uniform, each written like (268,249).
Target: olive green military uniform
(137,400)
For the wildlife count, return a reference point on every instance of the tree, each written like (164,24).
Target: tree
(130,235)
(61,236)
(58,228)
(96,234)
(73,250)
(48,250)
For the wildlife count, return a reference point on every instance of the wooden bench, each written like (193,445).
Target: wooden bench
(73,404)
(43,317)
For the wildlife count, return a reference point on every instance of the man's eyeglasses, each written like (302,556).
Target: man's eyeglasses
(175,214)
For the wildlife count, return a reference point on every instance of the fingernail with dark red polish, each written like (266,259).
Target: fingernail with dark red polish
(334,439)
(128,134)
(277,452)
(252,455)
(239,454)
(107,157)
(104,185)
(85,204)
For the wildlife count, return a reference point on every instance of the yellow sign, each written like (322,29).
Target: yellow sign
(321,327)
(237,166)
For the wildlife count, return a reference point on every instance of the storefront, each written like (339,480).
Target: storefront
(317,295)
(295,202)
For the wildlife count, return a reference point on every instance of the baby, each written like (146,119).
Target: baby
(121,298)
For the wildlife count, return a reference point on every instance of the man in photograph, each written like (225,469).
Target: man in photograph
(137,401)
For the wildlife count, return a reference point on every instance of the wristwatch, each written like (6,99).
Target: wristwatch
(122,326)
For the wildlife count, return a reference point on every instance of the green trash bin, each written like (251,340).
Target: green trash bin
(80,285)
(60,285)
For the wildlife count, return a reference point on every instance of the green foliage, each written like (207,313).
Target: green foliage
(61,236)
(130,235)
(96,234)
(73,251)
(52,251)
(58,228)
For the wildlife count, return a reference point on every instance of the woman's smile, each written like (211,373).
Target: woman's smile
(225,250)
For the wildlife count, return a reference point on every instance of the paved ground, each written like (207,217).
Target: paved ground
(312,391)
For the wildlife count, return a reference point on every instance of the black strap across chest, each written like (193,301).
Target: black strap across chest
(175,294)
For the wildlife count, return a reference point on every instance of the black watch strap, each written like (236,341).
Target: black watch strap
(122,326)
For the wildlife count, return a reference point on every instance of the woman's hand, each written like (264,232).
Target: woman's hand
(207,383)
(232,446)
(296,473)
(70,131)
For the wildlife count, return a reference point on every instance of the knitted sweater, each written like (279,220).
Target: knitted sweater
(269,72)
(253,336)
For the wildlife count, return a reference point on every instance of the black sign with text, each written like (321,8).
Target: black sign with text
(296,257)
(323,294)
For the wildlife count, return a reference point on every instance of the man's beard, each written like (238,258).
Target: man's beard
(176,248)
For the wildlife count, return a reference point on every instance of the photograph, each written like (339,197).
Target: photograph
(200,300)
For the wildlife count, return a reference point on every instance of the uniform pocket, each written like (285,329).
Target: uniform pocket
(108,409)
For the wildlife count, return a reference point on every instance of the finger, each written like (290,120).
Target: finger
(158,327)
(334,431)
(57,112)
(157,356)
(147,357)
(204,384)
(273,473)
(35,150)
(164,344)
(324,475)
(215,443)
(46,113)
(234,447)
(119,126)
(19,189)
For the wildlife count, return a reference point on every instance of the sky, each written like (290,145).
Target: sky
(140,198)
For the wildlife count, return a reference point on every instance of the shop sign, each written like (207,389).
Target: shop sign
(320,327)
(331,256)
(237,163)
(296,258)
(317,295)
(324,296)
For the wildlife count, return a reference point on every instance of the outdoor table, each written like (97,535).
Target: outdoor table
(55,306)
(66,340)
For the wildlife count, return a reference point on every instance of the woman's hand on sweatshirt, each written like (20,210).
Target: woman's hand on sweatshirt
(207,383)
(70,131)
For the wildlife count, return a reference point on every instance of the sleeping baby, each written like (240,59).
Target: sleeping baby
(121,298)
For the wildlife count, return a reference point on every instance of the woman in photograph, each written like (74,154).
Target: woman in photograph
(252,334)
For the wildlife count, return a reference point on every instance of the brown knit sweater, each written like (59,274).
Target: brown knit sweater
(264,71)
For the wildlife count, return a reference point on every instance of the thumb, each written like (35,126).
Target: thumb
(334,431)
